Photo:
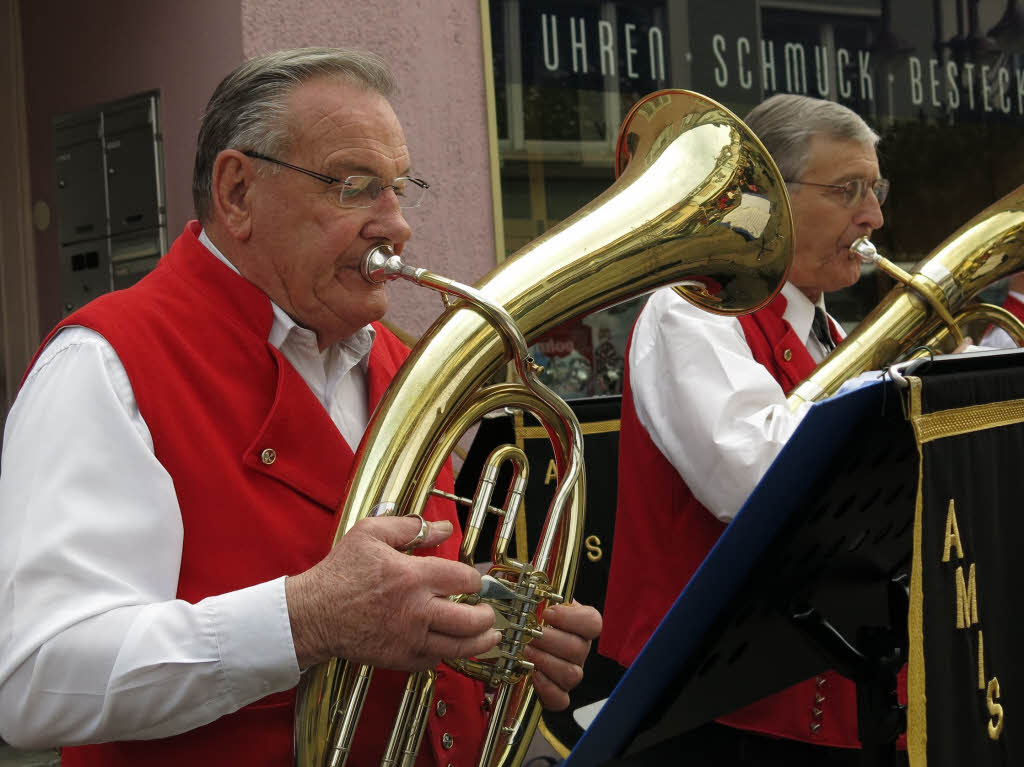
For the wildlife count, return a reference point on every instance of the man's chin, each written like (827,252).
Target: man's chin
(850,278)
(836,279)
(367,312)
(345,312)
(848,255)
(337,329)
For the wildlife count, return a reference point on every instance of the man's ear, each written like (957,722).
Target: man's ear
(233,174)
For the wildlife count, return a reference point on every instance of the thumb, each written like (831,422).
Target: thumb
(404,533)
(964,345)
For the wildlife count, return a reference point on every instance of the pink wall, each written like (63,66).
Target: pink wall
(93,51)
(435,48)
(88,52)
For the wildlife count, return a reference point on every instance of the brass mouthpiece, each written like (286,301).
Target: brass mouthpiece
(868,253)
(866,249)
(380,264)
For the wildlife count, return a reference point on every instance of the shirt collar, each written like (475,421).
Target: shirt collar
(800,311)
(358,343)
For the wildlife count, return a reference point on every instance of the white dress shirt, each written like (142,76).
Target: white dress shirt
(716,414)
(94,646)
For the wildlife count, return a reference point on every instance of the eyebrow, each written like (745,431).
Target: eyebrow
(360,170)
(857,177)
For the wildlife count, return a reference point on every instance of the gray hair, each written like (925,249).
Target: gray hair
(249,109)
(786,123)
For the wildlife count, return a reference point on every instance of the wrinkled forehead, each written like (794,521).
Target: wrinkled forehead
(332,116)
(840,159)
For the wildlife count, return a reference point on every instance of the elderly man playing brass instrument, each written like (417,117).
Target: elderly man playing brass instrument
(175,461)
(704,414)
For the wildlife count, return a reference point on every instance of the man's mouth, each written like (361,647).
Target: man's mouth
(845,250)
(344,274)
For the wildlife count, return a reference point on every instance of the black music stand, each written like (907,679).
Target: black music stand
(809,576)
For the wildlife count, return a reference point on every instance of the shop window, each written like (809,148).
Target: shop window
(942,81)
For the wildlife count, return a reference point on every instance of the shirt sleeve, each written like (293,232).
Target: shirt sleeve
(714,412)
(94,646)
(997,338)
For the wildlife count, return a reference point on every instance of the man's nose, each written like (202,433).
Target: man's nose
(388,221)
(869,212)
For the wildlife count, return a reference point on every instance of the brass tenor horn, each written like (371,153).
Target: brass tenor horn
(697,200)
(930,301)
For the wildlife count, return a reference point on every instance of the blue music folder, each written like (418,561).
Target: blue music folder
(861,427)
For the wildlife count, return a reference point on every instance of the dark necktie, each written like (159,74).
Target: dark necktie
(821,329)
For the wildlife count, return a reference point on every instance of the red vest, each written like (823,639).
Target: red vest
(658,521)
(1014,307)
(216,396)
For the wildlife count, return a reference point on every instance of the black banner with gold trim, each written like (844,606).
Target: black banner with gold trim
(964,679)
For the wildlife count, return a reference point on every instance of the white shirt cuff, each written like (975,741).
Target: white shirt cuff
(255,638)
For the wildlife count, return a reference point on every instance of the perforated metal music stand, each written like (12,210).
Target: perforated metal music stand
(824,535)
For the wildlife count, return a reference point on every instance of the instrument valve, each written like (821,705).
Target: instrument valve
(553,597)
(517,669)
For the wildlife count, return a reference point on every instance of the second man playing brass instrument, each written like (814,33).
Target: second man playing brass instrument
(704,414)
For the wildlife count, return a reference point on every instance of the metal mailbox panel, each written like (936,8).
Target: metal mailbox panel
(84,272)
(81,192)
(133,181)
(133,256)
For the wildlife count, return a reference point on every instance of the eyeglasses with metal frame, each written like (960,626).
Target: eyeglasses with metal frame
(361,191)
(855,190)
